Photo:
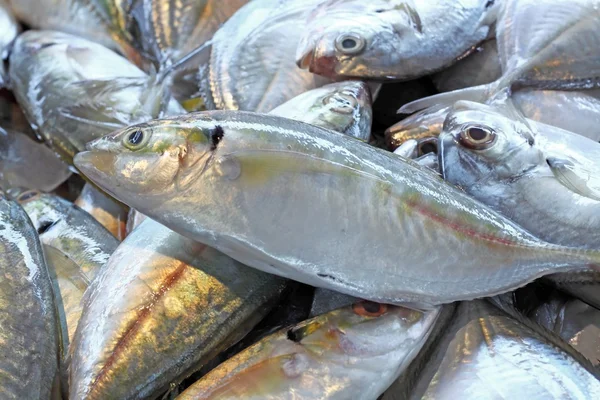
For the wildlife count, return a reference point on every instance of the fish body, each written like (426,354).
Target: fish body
(252,60)
(9,29)
(392,39)
(26,163)
(343,107)
(228,178)
(106,210)
(28,331)
(353,352)
(162,307)
(73,90)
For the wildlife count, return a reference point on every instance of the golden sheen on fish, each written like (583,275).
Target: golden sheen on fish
(73,90)
(324,209)
(111,213)
(26,163)
(392,39)
(28,330)
(9,29)
(162,307)
(343,107)
(252,61)
(353,352)
(487,354)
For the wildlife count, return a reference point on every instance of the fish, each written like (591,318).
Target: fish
(134,219)
(252,58)
(28,331)
(489,354)
(26,163)
(106,210)
(392,39)
(9,29)
(73,90)
(76,248)
(162,307)
(325,301)
(343,107)
(323,209)
(77,17)
(352,352)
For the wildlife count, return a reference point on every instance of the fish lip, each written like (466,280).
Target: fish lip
(304,59)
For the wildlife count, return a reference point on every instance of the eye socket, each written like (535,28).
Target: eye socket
(369,309)
(28,196)
(342,103)
(136,139)
(477,137)
(350,43)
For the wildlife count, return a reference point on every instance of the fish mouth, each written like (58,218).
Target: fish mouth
(96,165)
(305,60)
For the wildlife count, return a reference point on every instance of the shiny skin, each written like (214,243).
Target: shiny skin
(162,307)
(106,210)
(28,331)
(324,209)
(9,29)
(339,355)
(402,39)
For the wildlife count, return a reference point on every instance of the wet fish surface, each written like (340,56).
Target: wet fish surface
(106,210)
(9,29)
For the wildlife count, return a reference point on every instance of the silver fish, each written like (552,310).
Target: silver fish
(486,353)
(9,29)
(252,61)
(354,352)
(25,163)
(324,209)
(106,210)
(392,39)
(162,307)
(343,107)
(73,90)
(28,331)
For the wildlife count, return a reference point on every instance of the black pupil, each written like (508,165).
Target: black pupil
(371,307)
(349,43)
(477,134)
(136,137)
(427,148)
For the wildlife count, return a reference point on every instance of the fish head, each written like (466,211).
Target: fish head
(379,335)
(346,107)
(480,143)
(154,159)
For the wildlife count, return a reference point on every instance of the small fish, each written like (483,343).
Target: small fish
(26,163)
(222,179)
(343,107)
(106,210)
(28,330)
(489,354)
(9,29)
(325,301)
(252,61)
(162,307)
(73,90)
(353,352)
(392,39)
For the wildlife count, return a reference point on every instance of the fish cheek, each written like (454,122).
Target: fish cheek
(149,173)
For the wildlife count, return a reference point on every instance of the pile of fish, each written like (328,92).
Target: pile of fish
(300,199)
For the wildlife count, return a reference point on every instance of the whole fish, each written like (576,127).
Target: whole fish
(252,59)
(485,353)
(392,39)
(73,90)
(25,163)
(77,17)
(28,331)
(9,29)
(343,107)
(76,247)
(354,352)
(162,307)
(106,210)
(324,209)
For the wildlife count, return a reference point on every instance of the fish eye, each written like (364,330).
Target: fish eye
(28,196)
(341,103)
(369,309)
(477,137)
(136,139)
(350,43)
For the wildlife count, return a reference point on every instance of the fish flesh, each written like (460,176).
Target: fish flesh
(162,307)
(106,210)
(28,330)
(353,352)
(392,39)
(227,178)
(252,59)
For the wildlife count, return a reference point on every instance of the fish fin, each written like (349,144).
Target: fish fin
(575,177)
(477,94)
